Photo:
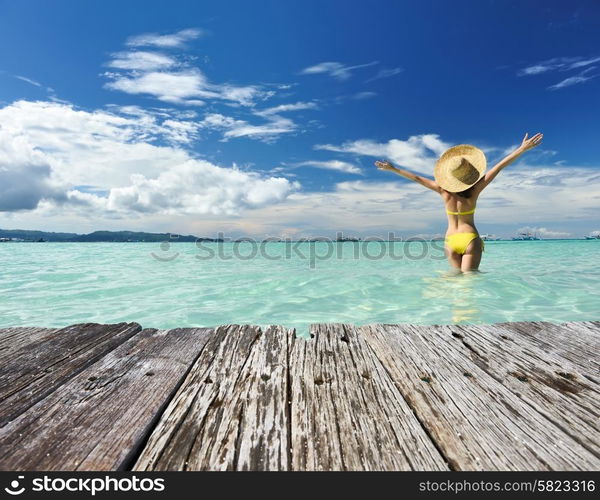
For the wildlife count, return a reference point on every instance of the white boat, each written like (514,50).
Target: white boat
(490,237)
(594,235)
(527,236)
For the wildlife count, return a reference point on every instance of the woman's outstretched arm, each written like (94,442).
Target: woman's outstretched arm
(526,145)
(428,183)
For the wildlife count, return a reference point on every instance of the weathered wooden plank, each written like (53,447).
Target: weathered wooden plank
(477,423)
(231,411)
(14,339)
(99,418)
(577,342)
(346,412)
(550,384)
(508,396)
(593,326)
(37,368)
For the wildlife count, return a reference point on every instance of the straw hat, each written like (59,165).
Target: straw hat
(459,168)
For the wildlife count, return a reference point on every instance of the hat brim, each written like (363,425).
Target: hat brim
(443,175)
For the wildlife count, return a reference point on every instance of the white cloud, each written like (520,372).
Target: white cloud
(274,126)
(172,40)
(341,166)
(584,62)
(141,60)
(177,87)
(364,95)
(199,187)
(179,131)
(48,151)
(334,69)
(35,83)
(562,64)
(187,86)
(173,79)
(385,73)
(282,108)
(234,128)
(418,152)
(573,80)
(557,64)
(28,80)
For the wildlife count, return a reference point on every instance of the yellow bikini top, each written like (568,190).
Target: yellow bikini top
(468,212)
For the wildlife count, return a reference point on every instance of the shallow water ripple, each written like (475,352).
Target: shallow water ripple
(55,284)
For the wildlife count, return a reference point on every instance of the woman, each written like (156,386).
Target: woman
(460,177)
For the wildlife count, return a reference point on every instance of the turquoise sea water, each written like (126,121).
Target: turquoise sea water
(168,285)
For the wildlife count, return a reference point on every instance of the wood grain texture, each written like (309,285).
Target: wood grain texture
(346,412)
(230,413)
(577,342)
(13,339)
(477,422)
(99,418)
(547,382)
(38,361)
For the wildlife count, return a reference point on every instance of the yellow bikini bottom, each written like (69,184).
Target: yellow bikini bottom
(459,242)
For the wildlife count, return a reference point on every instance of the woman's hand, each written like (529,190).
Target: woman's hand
(384,165)
(530,143)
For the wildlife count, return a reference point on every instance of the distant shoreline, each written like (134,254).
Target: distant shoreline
(35,236)
(200,240)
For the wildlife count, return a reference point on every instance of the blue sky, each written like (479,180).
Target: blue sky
(264,118)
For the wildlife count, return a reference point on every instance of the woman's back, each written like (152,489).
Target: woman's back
(460,210)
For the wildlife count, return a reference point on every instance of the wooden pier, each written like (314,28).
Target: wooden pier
(509,396)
